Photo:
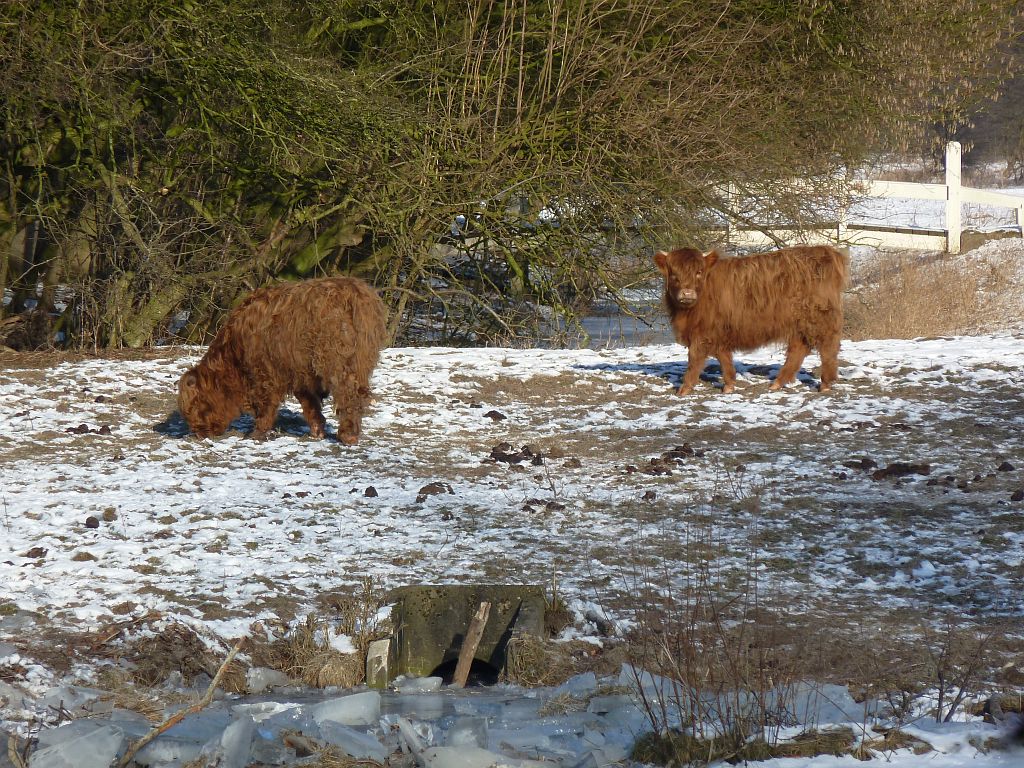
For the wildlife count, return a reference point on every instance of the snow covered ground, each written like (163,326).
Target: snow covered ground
(105,500)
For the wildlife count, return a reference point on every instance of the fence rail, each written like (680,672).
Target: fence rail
(894,236)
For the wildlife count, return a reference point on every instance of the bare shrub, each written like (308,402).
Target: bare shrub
(959,658)
(713,668)
(720,672)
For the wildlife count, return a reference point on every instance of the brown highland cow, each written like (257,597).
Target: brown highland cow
(718,305)
(309,339)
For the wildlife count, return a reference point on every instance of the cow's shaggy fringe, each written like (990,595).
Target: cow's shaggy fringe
(718,305)
(309,339)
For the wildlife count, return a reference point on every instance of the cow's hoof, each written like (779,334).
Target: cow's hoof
(728,389)
(824,387)
(348,439)
(684,390)
(316,434)
(259,435)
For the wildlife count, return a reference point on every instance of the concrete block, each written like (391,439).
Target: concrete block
(431,622)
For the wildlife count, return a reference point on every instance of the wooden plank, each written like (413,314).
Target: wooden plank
(891,238)
(755,238)
(905,189)
(987,197)
(470,644)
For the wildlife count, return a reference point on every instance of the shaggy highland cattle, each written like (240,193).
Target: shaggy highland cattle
(718,305)
(309,339)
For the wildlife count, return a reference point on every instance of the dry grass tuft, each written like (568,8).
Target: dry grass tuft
(533,662)
(557,615)
(891,740)
(177,648)
(333,668)
(563,704)
(355,612)
(332,758)
(901,295)
(124,694)
(832,741)
(675,748)
(305,654)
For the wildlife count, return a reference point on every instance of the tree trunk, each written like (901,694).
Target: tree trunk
(141,325)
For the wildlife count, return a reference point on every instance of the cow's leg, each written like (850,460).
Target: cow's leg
(795,354)
(265,412)
(350,400)
(265,400)
(312,409)
(696,357)
(829,351)
(728,370)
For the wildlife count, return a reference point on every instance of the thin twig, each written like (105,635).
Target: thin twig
(180,715)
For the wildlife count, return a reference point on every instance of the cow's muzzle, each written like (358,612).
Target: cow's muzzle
(686,298)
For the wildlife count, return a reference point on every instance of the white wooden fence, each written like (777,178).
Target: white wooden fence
(847,233)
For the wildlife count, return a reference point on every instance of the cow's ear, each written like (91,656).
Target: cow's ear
(661,259)
(189,380)
(710,258)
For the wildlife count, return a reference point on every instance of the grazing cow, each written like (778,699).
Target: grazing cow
(309,339)
(718,305)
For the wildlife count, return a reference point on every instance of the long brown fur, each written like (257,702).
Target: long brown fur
(718,305)
(308,339)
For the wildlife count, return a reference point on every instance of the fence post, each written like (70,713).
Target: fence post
(953,197)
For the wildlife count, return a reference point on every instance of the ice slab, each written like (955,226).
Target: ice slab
(259,679)
(185,740)
(70,697)
(577,685)
(13,697)
(418,684)
(410,736)
(85,744)
(357,709)
(466,731)
(649,684)
(821,704)
(236,743)
(473,757)
(519,709)
(422,706)
(357,744)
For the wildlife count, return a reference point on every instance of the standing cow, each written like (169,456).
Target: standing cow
(718,305)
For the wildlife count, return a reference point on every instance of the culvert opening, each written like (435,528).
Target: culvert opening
(480,672)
